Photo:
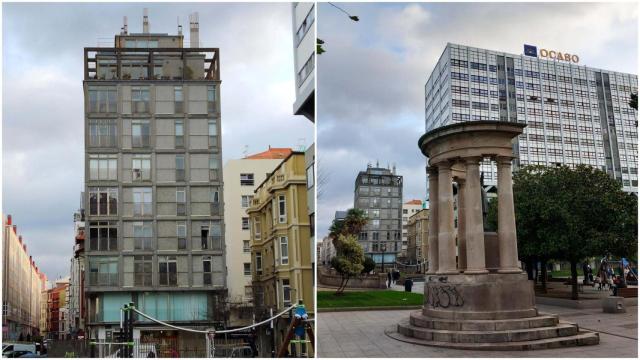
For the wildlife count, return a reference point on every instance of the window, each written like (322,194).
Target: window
(213,134)
(286,292)
(103,133)
(204,236)
(181,234)
(211,99)
(246,200)
(143,235)
(305,26)
(211,236)
(103,236)
(168,270)
(207,263)
(310,177)
(142,201)
(181,202)
(246,246)
(142,268)
(282,209)
(179,134)
(140,100)
(140,134)
(306,69)
(213,167)
(179,100)
(214,200)
(246,179)
(103,99)
(259,263)
(284,250)
(141,168)
(247,269)
(103,271)
(245,223)
(103,201)
(103,167)
(256,228)
(179,167)
(376,223)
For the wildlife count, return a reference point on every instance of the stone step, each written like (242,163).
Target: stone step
(483,336)
(580,339)
(419,320)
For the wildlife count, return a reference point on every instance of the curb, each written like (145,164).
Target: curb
(369,308)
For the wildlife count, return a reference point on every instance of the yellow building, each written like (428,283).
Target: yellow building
(417,234)
(282,271)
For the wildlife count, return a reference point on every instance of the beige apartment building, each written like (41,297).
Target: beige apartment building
(153,184)
(417,234)
(281,249)
(408,209)
(22,286)
(241,178)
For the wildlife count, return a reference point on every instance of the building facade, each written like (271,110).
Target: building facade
(327,252)
(378,192)
(154,214)
(408,209)
(574,114)
(304,51)
(57,310)
(76,313)
(417,234)
(241,177)
(280,248)
(22,284)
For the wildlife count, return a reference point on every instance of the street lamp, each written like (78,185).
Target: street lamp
(383,248)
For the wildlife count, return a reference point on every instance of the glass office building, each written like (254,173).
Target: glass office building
(574,114)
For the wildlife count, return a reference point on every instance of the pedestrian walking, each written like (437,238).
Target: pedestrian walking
(389,279)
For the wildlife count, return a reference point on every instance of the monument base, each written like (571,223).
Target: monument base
(486,312)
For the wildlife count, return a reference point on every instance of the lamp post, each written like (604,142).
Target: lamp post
(383,248)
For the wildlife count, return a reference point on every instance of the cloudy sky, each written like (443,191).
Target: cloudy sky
(371,78)
(42,99)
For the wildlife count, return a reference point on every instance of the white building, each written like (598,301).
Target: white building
(575,114)
(408,209)
(327,252)
(241,177)
(304,46)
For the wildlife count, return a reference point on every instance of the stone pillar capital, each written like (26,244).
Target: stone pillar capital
(444,164)
(432,170)
(472,159)
(504,160)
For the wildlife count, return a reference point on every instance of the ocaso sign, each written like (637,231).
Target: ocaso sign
(557,55)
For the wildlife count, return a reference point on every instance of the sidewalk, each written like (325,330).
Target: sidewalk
(361,334)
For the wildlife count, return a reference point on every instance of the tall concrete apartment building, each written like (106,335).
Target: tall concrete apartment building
(408,209)
(304,51)
(241,178)
(153,184)
(282,270)
(574,114)
(22,285)
(378,191)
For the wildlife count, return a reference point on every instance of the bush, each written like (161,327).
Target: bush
(368,264)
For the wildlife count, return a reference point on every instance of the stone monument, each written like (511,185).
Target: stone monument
(476,296)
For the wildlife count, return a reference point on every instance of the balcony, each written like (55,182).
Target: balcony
(109,64)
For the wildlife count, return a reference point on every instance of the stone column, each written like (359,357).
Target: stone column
(432,242)
(462,236)
(506,218)
(446,230)
(473,218)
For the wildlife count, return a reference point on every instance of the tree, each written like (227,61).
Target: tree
(634,101)
(571,214)
(352,224)
(348,261)
(368,265)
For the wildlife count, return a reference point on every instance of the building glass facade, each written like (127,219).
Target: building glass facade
(574,114)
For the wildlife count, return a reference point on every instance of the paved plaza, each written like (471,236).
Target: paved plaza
(361,334)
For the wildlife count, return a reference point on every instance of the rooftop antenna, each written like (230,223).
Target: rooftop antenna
(125,27)
(145,21)
(179,27)
(194,28)
(245,152)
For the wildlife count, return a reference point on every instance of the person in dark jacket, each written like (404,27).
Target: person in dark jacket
(389,279)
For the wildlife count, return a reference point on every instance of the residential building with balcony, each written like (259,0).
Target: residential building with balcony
(22,284)
(378,192)
(76,309)
(304,51)
(417,235)
(241,178)
(408,209)
(281,265)
(57,310)
(153,183)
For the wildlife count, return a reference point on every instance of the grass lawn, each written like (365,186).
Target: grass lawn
(328,299)
(562,273)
